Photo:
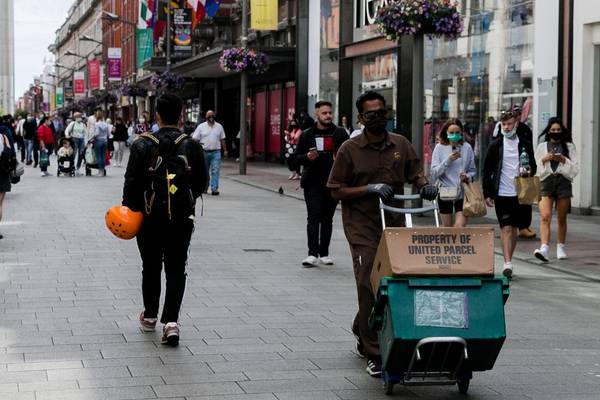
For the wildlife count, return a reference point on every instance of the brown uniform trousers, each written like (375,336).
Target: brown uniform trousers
(362,262)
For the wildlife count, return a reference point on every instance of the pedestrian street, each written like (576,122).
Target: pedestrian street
(254,324)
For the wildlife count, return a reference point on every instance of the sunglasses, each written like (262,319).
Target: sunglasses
(374,114)
(508,114)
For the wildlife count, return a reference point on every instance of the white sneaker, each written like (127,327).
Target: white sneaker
(560,252)
(542,253)
(507,270)
(310,261)
(326,260)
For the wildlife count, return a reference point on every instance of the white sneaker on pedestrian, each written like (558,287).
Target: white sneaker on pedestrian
(507,270)
(310,261)
(326,260)
(542,253)
(560,252)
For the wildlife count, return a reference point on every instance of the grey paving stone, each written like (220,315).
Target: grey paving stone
(277,365)
(137,392)
(88,373)
(170,370)
(22,377)
(296,385)
(316,395)
(45,386)
(191,378)
(119,382)
(197,389)
(261,396)
(38,366)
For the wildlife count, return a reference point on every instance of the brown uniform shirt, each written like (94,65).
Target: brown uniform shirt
(358,164)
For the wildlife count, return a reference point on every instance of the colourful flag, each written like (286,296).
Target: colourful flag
(211,7)
(193,5)
(146,15)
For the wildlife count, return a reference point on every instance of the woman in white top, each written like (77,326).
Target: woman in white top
(556,160)
(452,163)
(77,130)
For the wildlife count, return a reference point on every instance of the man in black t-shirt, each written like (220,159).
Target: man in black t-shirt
(316,151)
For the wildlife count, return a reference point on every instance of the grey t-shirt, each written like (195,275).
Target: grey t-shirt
(447,173)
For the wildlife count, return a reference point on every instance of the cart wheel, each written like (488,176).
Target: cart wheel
(463,385)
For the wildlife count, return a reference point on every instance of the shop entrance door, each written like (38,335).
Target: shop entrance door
(596,133)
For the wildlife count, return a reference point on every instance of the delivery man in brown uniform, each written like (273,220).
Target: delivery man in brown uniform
(373,165)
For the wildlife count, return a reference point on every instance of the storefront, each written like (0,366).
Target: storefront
(487,70)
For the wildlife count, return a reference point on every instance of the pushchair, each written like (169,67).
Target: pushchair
(65,163)
(89,156)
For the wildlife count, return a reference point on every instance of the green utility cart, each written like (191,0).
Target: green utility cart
(437,329)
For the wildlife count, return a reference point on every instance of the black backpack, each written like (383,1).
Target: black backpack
(8,161)
(168,192)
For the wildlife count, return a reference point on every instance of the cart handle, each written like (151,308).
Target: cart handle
(409,211)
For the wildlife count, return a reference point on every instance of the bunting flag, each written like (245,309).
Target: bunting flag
(211,7)
(146,15)
(193,5)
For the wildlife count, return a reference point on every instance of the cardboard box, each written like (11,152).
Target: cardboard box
(433,251)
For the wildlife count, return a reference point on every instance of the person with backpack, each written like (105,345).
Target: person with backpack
(165,175)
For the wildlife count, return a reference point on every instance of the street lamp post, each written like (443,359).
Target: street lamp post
(243,89)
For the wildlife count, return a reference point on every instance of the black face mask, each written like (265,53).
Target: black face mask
(211,119)
(377,125)
(555,135)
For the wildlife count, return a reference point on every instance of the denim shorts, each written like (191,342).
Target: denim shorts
(556,186)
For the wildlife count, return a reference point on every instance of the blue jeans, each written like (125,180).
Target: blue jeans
(100,149)
(28,149)
(79,144)
(213,165)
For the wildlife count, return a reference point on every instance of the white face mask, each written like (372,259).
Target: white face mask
(142,120)
(78,119)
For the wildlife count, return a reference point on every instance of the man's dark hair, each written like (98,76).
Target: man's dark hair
(368,96)
(322,103)
(169,107)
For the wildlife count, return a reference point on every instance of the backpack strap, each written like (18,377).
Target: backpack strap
(150,137)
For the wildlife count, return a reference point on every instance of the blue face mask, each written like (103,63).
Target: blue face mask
(509,134)
(454,137)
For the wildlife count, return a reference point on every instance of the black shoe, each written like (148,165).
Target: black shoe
(374,366)
(1,237)
(35,165)
(214,192)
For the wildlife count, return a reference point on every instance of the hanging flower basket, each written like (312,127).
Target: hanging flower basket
(133,90)
(87,104)
(238,59)
(167,82)
(105,97)
(434,18)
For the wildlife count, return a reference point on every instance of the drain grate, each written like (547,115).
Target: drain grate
(258,250)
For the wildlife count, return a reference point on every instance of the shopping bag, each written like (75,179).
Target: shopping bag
(447,193)
(90,155)
(44,159)
(528,189)
(473,203)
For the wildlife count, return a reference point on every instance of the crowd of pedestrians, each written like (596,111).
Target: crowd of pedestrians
(357,167)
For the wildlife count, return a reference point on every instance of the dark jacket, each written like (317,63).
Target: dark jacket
(137,178)
(316,172)
(492,165)
(29,129)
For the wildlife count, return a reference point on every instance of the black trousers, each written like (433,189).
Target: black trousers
(163,241)
(320,208)
(36,152)
(525,212)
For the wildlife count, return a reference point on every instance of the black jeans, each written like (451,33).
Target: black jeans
(525,212)
(320,208)
(164,241)
(36,152)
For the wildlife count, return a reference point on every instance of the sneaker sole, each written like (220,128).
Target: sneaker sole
(172,340)
(147,329)
(540,256)
(309,265)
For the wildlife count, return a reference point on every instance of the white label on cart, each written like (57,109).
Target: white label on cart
(443,309)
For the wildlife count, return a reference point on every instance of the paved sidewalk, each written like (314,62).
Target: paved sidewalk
(255,325)
(583,235)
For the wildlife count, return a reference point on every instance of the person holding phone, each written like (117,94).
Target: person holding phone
(316,150)
(557,161)
(452,163)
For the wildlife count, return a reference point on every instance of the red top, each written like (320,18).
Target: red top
(44,134)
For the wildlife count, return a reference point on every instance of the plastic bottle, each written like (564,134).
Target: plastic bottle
(525,168)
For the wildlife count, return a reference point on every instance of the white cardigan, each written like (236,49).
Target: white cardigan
(569,169)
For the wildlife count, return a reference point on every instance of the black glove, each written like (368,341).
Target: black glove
(429,192)
(382,190)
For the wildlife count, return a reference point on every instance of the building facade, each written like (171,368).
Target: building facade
(78,41)
(7,57)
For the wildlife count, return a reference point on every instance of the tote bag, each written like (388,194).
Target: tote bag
(528,189)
